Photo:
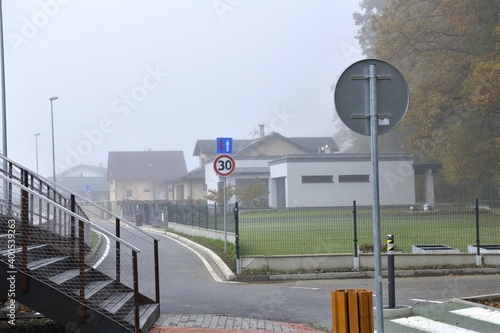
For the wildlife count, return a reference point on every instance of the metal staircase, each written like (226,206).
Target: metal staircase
(73,261)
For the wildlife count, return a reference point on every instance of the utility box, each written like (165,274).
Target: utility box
(352,311)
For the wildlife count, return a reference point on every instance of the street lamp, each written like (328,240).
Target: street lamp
(52,99)
(36,147)
(2,67)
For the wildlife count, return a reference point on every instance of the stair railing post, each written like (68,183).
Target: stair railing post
(81,266)
(157,272)
(72,223)
(24,227)
(48,207)
(117,256)
(136,291)
(9,200)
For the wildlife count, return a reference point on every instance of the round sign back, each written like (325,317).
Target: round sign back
(352,96)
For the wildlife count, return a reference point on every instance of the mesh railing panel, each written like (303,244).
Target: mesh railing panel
(330,230)
(57,242)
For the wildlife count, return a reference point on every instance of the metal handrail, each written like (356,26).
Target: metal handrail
(64,209)
(21,182)
(90,202)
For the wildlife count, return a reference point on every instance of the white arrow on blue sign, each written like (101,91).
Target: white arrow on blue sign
(224,145)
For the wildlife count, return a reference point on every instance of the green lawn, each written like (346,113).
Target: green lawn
(318,231)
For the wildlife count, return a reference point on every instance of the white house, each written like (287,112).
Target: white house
(304,172)
(339,179)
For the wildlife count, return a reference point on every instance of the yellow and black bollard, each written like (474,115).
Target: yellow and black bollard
(390,271)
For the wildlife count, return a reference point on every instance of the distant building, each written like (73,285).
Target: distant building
(252,156)
(86,180)
(140,175)
(299,172)
(340,179)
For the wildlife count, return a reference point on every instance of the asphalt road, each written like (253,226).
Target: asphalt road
(187,287)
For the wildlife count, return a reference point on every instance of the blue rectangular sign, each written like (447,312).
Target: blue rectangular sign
(224,145)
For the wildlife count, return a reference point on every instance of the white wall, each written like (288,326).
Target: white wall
(396,181)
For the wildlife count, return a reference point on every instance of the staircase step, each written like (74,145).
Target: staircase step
(19,249)
(66,275)
(148,313)
(48,267)
(94,287)
(37,264)
(117,301)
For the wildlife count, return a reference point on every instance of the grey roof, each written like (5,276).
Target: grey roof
(308,144)
(155,166)
(97,169)
(344,157)
(80,184)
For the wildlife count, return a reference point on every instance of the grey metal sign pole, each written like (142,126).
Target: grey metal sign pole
(387,92)
(225,217)
(372,75)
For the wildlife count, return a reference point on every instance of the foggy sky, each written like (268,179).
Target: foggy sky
(161,74)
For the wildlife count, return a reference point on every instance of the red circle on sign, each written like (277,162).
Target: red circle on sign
(224,165)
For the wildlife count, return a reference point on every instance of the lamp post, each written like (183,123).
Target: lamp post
(4,107)
(52,99)
(36,149)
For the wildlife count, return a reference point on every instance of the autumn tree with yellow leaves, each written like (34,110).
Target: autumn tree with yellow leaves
(449,53)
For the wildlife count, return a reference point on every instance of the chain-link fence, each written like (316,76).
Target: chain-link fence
(208,216)
(331,230)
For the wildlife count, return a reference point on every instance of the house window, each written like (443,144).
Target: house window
(354,178)
(317,179)
(128,193)
(147,191)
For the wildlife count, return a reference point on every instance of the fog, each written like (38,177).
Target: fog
(161,74)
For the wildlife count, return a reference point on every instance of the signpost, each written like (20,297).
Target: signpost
(363,88)
(224,166)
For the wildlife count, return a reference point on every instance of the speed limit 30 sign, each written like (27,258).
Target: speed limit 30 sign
(224,165)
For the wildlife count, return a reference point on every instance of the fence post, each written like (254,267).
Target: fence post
(199,214)
(354,216)
(478,242)
(215,215)
(237,237)
(206,214)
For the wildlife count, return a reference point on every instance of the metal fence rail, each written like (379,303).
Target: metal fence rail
(208,216)
(331,230)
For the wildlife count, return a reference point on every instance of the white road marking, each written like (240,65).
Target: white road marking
(425,301)
(429,325)
(305,288)
(105,254)
(482,314)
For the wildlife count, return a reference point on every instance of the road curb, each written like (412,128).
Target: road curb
(366,274)
(228,274)
(472,300)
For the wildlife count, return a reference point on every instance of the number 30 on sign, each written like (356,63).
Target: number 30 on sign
(224,165)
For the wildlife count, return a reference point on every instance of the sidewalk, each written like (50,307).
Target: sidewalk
(214,323)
